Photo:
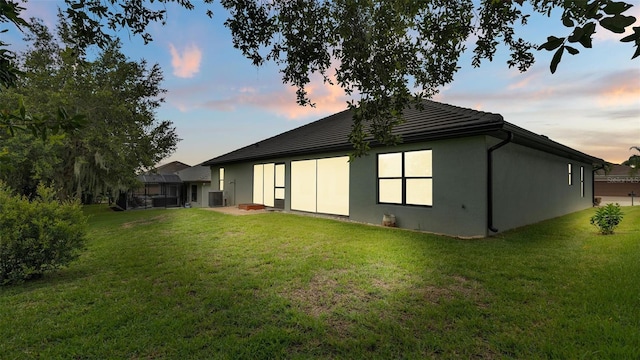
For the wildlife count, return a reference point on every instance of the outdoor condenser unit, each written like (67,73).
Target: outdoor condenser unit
(216,199)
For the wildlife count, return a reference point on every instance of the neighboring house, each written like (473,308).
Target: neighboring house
(459,172)
(617,183)
(170,168)
(196,184)
(160,187)
(158,190)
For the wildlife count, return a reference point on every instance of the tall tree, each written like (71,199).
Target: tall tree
(118,99)
(633,161)
(380,50)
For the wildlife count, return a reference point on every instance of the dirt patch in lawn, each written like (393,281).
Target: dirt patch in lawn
(459,287)
(155,219)
(328,291)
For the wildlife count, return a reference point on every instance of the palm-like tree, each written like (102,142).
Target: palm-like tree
(634,161)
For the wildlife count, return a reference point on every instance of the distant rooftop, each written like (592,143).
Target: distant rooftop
(170,168)
(196,173)
(619,170)
(159,178)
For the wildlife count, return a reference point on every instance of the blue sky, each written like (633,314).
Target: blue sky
(219,101)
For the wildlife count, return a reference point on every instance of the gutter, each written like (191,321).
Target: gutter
(490,179)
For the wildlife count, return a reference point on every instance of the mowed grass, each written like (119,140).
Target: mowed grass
(196,284)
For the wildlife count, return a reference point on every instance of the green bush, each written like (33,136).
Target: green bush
(607,218)
(38,235)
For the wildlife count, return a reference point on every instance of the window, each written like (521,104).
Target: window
(258,184)
(279,182)
(582,181)
(303,185)
(264,184)
(321,185)
(405,178)
(194,192)
(570,170)
(221,179)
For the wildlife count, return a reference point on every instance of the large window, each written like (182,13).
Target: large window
(221,179)
(321,185)
(264,178)
(405,178)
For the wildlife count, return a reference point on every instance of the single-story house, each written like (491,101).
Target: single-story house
(159,187)
(197,185)
(458,172)
(158,190)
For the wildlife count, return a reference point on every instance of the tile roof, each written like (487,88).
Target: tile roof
(434,121)
(170,168)
(159,178)
(618,170)
(196,173)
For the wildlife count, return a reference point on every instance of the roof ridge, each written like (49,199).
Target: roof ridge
(428,121)
(463,110)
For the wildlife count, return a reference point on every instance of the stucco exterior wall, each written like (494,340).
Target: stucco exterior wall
(238,183)
(530,186)
(202,196)
(459,190)
(459,187)
(238,179)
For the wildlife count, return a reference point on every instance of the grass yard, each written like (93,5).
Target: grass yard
(196,284)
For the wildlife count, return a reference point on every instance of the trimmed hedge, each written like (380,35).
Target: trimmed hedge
(39,235)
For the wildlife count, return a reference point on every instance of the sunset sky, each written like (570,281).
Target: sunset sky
(219,102)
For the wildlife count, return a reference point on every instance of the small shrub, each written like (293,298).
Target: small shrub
(607,218)
(38,235)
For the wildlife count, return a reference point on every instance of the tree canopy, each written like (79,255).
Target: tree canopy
(116,100)
(634,160)
(385,54)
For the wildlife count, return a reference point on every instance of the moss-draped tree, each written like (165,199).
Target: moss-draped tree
(115,97)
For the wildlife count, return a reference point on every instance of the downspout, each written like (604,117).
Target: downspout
(490,180)
(593,183)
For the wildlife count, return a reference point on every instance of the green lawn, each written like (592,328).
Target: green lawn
(192,283)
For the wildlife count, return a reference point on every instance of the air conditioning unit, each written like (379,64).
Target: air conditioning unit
(216,198)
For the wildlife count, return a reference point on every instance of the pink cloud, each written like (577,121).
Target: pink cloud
(328,99)
(623,89)
(524,80)
(187,64)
